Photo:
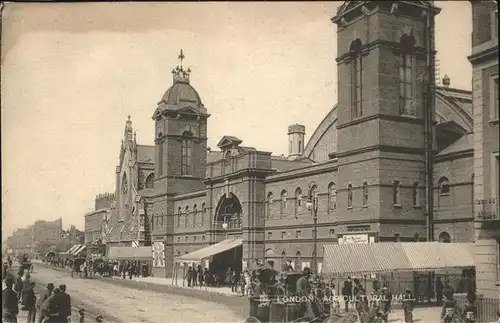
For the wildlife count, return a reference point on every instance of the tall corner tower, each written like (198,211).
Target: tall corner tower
(382,64)
(180,151)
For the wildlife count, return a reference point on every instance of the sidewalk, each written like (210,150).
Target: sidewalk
(180,284)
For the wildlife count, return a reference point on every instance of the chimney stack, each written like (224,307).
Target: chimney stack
(446,81)
(296,134)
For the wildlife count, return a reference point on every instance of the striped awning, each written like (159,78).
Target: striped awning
(371,258)
(436,255)
(363,258)
(203,253)
(76,249)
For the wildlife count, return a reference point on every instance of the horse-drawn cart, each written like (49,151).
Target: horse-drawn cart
(271,306)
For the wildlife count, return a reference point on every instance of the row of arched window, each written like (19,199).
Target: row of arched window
(188,218)
(297,206)
(444,189)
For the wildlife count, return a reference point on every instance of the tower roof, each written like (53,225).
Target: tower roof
(181,91)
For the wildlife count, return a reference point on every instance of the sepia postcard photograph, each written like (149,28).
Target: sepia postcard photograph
(250,161)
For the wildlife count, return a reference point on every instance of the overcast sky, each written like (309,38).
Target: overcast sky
(71,73)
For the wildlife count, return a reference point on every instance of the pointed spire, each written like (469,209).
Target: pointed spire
(181,56)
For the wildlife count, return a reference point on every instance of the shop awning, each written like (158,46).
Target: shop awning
(70,251)
(435,256)
(79,248)
(371,258)
(130,253)
(363,258)
(211,250)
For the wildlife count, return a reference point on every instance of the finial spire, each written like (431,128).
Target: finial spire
(179,73)
(181,56)
(128,117)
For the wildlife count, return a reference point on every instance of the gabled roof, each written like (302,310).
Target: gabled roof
(464,143)
(229,141)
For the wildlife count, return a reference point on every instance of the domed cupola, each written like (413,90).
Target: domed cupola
(181,96)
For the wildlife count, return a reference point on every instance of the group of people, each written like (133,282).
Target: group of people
(54,305)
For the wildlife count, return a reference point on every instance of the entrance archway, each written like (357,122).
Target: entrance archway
(228,211)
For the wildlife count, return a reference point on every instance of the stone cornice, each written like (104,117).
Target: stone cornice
(455,155)
(394,46)
(330,165)
(383,148)
(254,172)
(386,117)
(489,54)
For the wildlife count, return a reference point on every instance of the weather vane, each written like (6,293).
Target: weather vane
(181,56)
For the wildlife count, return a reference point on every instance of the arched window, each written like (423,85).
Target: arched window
(444,237)
(332,197)
(314,192)
(356,79)
(187,153)
(406,76)
(270,200)
(415,195)
(444,186)
(124,184)
(179,216)
(203,213)
(159,147)
(395,193)
(300,144)
(150,180)
(397,237)
(365,193)
(298,200)
(186,217)
(349,195)
(283,201)
(195,214)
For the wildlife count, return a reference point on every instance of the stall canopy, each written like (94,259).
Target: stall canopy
(345,259)
(130,253)
(77,249)
(203,253)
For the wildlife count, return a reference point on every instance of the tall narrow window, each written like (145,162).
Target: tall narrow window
(195,214)
(203,213)
(186,219)
(406,83)
(365,193)
(395,193)
(415,195)
(160,154)
(187,152)
(270,200)
(179,217)
(349,196)
(283,202)
(298,200)
(162,218)
(356,79)
(332,197)
(299,148)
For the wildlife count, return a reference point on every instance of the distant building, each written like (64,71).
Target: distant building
(486,166)
(37,238)
(96,221)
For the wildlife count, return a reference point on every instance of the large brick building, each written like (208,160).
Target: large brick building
(37,238)
(364,163)
(486,167)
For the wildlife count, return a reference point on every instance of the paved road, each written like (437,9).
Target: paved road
(120,303)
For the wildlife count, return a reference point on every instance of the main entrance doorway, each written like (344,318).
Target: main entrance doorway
(228,222)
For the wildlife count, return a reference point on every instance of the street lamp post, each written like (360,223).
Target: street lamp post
(225,227)
(312,206)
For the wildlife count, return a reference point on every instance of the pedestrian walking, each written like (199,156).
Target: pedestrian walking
(29,302)
(45,295)
(10,308)
(439,291)
(189,275)
(18,287)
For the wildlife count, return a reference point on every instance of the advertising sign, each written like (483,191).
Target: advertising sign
(355,238)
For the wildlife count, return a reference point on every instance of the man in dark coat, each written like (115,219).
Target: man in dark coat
(10,308)
(64,304)
(29,302)
(439,290)
(45,295)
